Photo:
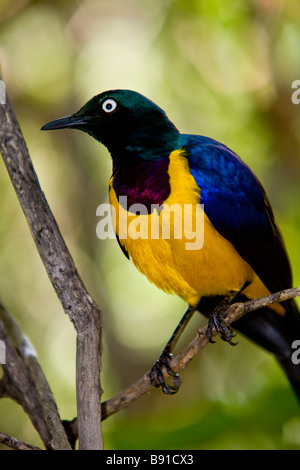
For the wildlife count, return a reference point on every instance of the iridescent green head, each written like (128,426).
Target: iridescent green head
(126,122)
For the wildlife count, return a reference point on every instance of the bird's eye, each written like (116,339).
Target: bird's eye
(109,105)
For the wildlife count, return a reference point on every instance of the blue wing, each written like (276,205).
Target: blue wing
(237,206)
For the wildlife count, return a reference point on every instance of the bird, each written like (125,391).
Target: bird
(242,255)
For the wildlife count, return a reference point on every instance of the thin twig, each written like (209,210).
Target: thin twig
(233,313)
(25,382)
(14,443)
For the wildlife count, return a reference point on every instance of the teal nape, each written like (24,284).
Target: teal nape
(243,256)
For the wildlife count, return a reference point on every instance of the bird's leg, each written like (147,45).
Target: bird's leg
(216,319)
(156,374)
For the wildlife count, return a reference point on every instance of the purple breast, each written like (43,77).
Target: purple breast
(144,182)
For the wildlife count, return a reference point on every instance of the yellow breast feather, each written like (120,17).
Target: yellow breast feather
(172,262)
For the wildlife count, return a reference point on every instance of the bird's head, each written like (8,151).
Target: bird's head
(126,122)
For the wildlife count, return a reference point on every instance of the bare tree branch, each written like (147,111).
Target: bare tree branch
(76,301)
(134,391)
(24,382)
(14,443)
(233,313)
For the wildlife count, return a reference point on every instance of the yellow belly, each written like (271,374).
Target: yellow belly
(171,262)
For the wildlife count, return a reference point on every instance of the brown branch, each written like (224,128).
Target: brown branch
(25,383)
(14,443)
(233,313)
(76,301)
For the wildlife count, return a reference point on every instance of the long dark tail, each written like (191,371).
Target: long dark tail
(273,332)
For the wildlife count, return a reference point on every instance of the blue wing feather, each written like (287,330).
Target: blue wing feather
(237,205)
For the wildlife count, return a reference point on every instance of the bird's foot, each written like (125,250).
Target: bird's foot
(216,321)
(157,375)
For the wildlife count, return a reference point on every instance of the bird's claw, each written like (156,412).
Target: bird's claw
(216,321)
(157,376)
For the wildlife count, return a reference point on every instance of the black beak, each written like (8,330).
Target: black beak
(65,122)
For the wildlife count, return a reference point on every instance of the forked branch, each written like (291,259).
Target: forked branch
(76,301)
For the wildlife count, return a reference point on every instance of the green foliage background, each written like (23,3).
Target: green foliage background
(222,69)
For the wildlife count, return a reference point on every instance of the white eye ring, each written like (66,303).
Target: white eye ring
(109,105)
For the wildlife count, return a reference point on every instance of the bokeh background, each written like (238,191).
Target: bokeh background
(222,69)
